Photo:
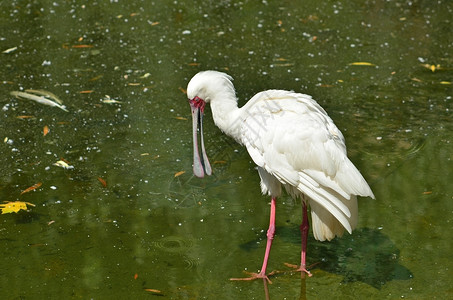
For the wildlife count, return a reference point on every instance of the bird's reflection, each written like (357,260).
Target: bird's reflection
(367,256)
(303,287)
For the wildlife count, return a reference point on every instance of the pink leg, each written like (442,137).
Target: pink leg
(270,238)
(304,227)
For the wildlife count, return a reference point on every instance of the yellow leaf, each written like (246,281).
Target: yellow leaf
(63,164)
(11,207)
(445,82)
(362,63)
(179,173)
(433,68)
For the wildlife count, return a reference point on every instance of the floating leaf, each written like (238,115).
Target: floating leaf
(102,181)
(15,206)
(39,99)
(362,63)
(433,68)
(45,130)
(181,118)
(179,173)
(46,94)
(33,187)
(284,65)
(154,291)
(63,164)
(108,100)
(445,82)
(96,78)
(82,46)
(135,276)
(10,50)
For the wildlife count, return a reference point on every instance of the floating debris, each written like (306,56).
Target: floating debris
(39,99)
(46,94)
(103,182)
(45,130)
(10,50)
(63,164)
(362,63)
(177,174)
(15,206)
(109,100)
(433,68)
(33,187)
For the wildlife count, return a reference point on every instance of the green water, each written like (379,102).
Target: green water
(184,236)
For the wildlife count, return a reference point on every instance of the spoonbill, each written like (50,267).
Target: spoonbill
(294,144)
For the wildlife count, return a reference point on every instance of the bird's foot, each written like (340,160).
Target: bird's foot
(301,268)
(253,276)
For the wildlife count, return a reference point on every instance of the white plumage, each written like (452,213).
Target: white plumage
(294,143)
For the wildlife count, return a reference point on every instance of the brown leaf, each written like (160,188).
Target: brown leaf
(82,46)
(33,187)
(104,183)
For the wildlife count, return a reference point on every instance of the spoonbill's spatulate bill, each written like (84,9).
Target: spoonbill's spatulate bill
(295,145)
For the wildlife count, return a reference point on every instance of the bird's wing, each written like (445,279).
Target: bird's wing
(291,137)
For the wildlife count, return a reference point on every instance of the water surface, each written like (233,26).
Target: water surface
(184,236)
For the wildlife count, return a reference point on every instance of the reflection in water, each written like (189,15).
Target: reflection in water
(181,235)
(367,256)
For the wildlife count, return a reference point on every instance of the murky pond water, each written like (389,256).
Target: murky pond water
(125,220)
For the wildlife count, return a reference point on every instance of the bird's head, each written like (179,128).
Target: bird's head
(202,89)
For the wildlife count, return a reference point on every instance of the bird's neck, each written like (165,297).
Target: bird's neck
(226,113)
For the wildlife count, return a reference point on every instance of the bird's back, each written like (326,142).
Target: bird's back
(291,137)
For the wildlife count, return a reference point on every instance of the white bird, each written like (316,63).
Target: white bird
(295,145)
